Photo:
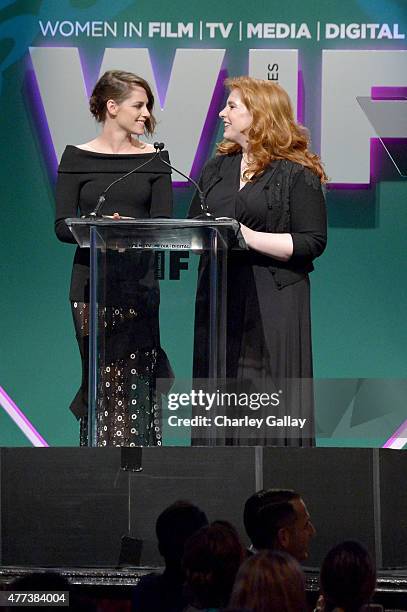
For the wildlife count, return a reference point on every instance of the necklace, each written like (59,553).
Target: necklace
(243,167)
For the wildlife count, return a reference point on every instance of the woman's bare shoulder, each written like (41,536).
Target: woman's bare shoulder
(87,146)
(133,148)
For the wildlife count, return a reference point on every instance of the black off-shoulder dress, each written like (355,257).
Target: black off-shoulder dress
(127,409)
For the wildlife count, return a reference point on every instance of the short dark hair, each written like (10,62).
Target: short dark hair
(348,576)
(175,525)
(117,85)
(266,512)
(211,560)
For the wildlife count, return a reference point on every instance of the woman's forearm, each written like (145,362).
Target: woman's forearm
(279,246)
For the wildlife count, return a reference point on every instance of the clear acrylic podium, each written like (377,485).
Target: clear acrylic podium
(147,273)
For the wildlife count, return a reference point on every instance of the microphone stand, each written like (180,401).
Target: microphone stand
(95,214)
(159,146)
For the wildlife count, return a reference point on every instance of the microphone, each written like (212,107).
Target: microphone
(159,146)
(102,198)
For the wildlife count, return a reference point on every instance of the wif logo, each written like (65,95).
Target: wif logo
(349,118)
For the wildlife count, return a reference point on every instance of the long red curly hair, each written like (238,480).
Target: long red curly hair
(274,133)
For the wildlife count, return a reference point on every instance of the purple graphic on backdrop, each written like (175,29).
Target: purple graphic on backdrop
(399,439)
(21,420)
(37,109)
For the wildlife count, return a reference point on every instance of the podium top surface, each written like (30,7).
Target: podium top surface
(222,222)
(156,233)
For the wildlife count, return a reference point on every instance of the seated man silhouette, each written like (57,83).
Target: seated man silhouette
(278,519)
(164,592)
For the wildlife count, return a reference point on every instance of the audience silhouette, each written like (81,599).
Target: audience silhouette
(164,593)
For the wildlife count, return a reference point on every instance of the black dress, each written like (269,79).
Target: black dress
(268,320)
(127,408)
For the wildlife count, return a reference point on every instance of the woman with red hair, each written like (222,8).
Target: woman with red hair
(265,176)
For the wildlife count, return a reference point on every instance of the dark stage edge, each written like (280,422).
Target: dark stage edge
(389,581)
(113,584)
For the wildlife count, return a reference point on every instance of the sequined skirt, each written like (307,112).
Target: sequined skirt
(127,410)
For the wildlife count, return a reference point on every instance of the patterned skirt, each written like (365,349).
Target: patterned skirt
(127,410)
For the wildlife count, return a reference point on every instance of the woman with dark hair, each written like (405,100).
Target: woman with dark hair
(348,578)
(212,557)
(269,581)
(122,103)
(265,176)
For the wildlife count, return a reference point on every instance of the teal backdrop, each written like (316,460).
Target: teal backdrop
(359,287)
